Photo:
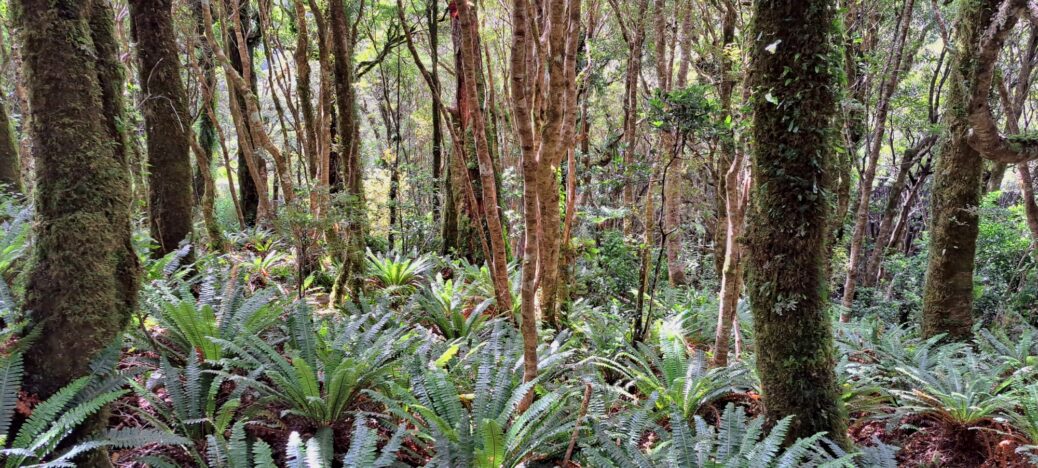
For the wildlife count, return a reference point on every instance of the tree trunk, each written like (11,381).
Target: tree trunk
(250,182)
(725,91)
(1030,207)
(306,105)
(787,233)
(442,201)
(886,222)
(859,43)
(83,281)
(672,190)
(166,123)
(10,167)
(891,78)
(343,37)
(737,184)
(498,260)
(635,41)
(948,289)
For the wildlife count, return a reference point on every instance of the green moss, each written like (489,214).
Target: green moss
(795,87)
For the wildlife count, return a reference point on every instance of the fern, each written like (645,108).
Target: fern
(11,369)
(734,442)
(396,275)
(488,430)
(962,391)
(320,374)
(57,417)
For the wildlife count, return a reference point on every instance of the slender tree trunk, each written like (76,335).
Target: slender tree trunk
(635,42)
(886,223)
(956,192)
(859,43)
(498,261)
(906,210)
(737,197)
(996,174)
(10,166)
(21,94)
(251,170)
(672,190)
(83,281)
(522,59)
(725,90)
(245,83)
(557,137)
(443,203)
(1030,208)
(787,233)
(166,123)
(861,218)
(306,105)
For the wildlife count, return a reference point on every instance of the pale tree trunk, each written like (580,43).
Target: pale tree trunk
(21,94)
(573,198)
(250,114)
(737,185)
(10,167)
(891,77)
(544,105)
(207,88)
(523,61)
(1013,106)
(901,225)
(255,202)
(1030,208)
(642,320)
(860,41)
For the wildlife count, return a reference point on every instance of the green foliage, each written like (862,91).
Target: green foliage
(1003,252)
(39,438)
(736,441)
(191,324)
(686,111)
(610,268)
(364,452)
(192,407)
(325,365)
(396,275)
(444,308)
(680,377)
(483,428)
(961,390)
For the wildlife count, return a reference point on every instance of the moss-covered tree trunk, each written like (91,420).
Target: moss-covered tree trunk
(343,38)
(166,123)
(84,275)
(795,92)
(957,186)
(10,168)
